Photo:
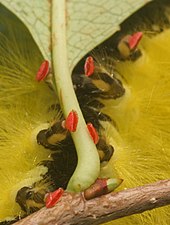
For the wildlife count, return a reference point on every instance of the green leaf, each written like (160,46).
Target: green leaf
(36,16)
(91,21)
(88,22)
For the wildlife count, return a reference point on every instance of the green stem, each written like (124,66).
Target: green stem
(88,167)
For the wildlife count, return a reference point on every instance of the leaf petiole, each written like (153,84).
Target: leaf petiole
(88,167)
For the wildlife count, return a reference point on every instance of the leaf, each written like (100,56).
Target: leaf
(91,21)
(88,22)
(36,16)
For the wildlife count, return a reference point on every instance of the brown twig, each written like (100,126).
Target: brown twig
(74,209)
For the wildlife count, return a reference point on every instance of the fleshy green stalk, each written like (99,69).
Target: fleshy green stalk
(88,166)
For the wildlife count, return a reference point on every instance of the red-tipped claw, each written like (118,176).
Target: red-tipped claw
(43,71)
(53,197)
(93,133)
(89,66)
(134,40)
(71,121)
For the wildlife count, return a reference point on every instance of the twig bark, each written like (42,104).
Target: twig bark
(74,209)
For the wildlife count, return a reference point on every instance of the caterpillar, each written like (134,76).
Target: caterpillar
(127,100)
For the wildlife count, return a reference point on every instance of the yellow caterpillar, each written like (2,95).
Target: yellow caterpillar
(141,140)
